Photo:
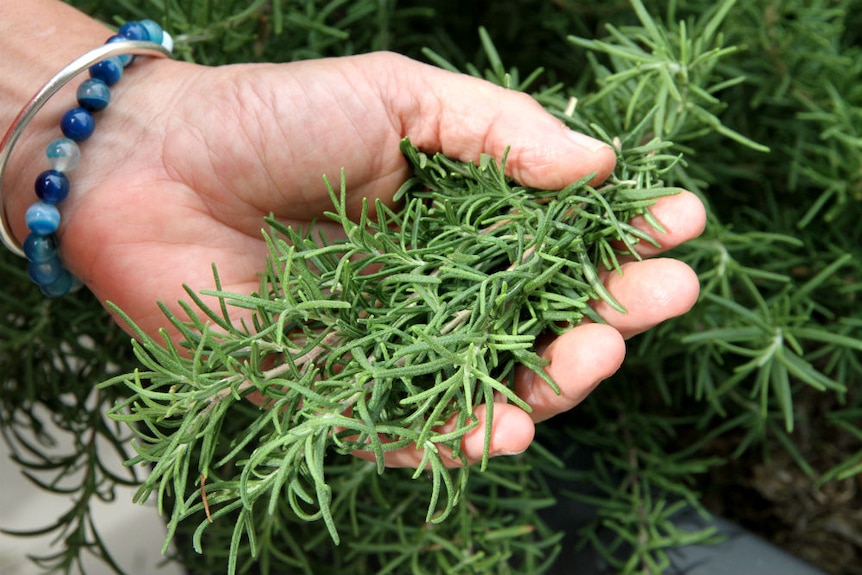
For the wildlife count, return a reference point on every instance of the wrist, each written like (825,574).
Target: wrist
(106,65)
(61,34)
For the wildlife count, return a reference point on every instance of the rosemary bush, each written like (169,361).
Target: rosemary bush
(756,106)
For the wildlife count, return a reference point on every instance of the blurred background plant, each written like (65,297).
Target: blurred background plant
(748,406)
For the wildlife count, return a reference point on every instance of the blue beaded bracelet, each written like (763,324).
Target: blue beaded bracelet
(105,65)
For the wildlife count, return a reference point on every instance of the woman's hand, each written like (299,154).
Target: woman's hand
(188,160)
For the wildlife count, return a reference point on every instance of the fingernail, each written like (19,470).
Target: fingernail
(504,452)
(584,141)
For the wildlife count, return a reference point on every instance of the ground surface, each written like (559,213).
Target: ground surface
(775,498)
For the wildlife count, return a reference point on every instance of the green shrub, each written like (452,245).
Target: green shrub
(756,106)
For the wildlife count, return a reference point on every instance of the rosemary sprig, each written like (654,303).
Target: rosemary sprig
(374,341)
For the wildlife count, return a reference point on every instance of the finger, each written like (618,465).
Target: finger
(579,360)
(512,431)
(682,217)
(651,291)
(465,117)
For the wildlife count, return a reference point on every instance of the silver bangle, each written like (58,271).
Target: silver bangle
(29,111)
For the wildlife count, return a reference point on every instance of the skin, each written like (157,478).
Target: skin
(187,160)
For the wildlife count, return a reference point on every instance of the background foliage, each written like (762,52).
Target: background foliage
(757,383)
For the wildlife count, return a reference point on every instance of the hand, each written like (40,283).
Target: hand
(188,160)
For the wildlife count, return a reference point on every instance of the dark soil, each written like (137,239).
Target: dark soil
(770,494)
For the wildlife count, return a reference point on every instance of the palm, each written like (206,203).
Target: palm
(225,166)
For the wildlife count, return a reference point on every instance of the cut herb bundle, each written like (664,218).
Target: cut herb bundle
(374,341)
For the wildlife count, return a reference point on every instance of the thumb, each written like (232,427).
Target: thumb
(464,117)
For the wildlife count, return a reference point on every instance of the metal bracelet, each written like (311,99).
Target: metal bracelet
(29,111)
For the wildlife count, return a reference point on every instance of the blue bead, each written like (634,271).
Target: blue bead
(40,248)
(64,284)
(45,273)
(108,71)
(134,31)
(125,59)
(52,186)
(42,219)
(154,31)
(94,95)
(63,154)
(78,124)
